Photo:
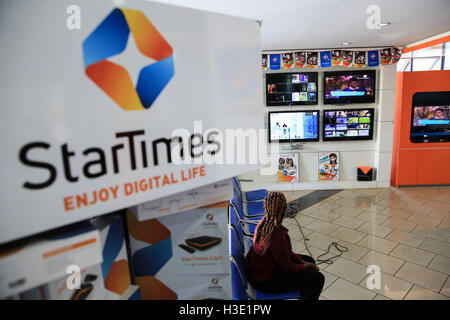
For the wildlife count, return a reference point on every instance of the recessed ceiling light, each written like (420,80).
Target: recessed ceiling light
(346,43)
(384,24)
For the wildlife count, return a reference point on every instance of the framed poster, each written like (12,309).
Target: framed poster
(329,166)
(288,167)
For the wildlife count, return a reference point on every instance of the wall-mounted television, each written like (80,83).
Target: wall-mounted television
(343,87)
(348,124)
(293,88)
(294,126)
(430,119)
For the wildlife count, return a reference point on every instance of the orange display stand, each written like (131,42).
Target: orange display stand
(417,163)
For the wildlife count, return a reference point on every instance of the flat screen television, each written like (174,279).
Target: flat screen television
(293,88)
(430,119)
(348,124)
(343,87)
(294,126)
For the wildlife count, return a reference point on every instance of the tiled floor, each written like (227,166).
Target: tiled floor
(405,232)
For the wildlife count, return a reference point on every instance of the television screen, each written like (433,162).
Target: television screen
(294,126)
(351,124)
(291,88)
(430,120)
(349,87)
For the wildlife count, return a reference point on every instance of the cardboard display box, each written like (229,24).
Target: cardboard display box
(46,257)
(115,268)
(183,201)
(192,243)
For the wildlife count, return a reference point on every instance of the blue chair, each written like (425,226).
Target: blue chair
(250,196)
(239,283)
(254,209)
(244,238)
(248,223)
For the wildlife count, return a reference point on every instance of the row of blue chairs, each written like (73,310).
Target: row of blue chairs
(243,216)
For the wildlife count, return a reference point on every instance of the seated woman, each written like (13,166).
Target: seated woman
(271,266)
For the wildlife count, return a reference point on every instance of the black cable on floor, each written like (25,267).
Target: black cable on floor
(292,213)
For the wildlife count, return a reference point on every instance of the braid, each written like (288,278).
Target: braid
(274,207)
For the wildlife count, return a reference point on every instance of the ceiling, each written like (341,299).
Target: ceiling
(308,24)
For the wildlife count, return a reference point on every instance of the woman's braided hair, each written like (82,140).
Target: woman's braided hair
(274,208)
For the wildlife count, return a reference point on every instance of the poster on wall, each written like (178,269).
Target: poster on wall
(325,59)
(328,166)
(396,54)
(288,167)
(288,60)
(300,59)
(347,58)
(312,59)
(275,61)
(386,56)
(372,58)
(360,59)
(336,58)
(265,61)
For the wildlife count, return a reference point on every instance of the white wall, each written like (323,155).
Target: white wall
(376,153)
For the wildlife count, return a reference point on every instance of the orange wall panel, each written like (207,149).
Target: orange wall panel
(417,163)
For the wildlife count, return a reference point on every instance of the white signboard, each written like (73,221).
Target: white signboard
(91,94)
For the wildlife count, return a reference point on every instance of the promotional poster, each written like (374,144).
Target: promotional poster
(288,167)
(386,56)
(328,166)
(275,61)
(325,59)
(288,60)
(312,59)
(373,58)
(336,58)
(300,59)
(360,59)
(265,62)
(347,58)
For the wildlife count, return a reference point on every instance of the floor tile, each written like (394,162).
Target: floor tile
(378,244)
(436,246)
(446,289)
(413,255)
(348,270)
(399,224)
(375,229)
(308,211)
(408,238)
(297,246)
(348,222)
(346,234)
(324,215)
(320,241)
(347,211)
(431,232)
(345,290)
(322,227)
(354,252)
(441,264)
(380,297)
(393,204)
(437,205)
(389,286)
(329,279)
(424,219)
(420,293)
(395,213)
(303,220)
(371,217)
(387,264)
(424,277)
(410,207)
(445,224)
(371,207)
